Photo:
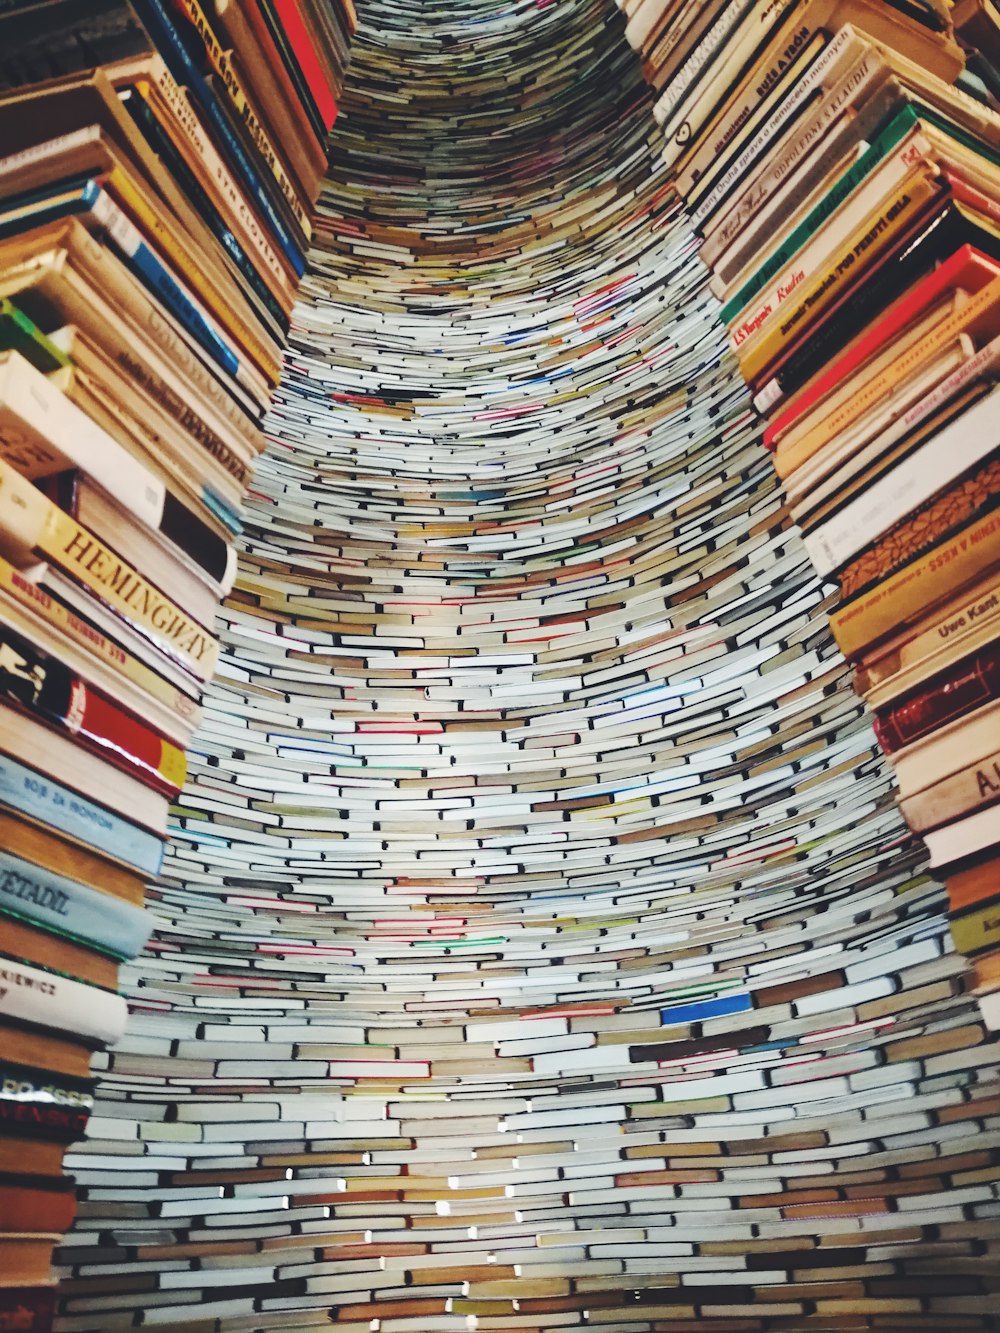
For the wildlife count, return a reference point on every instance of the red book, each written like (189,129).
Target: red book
(967,268)
(51,690)
(304,50)
(973,681)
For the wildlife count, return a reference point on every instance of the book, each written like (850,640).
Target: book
(960,446)
(63,1054)
(947,749)
(42,433)
(26,739)
(974,884)
(21,335)
(92,203)
(38,1204)
(68,907)
(965,623)
(41,1105)
(975,494)
(963,687)
(49,1000)
(25,943)
(26,1257)
(29,610)
(50,803)
(863,392)
(32,528)
(303,50)
(27,1309)
(905,596)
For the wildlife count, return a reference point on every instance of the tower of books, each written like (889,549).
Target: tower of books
(545,939)
(158,169)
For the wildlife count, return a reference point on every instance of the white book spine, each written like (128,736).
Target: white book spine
(964,442)
(42,432)
(33,996)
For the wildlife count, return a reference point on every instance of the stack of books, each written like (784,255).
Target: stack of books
(159,167)
(841,168)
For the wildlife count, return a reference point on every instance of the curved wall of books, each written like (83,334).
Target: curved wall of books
(541,947)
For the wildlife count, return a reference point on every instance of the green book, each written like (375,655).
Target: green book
(20,334)
(906,119)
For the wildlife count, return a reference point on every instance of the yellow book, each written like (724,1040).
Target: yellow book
(880,230)
(907,595)
(32,528)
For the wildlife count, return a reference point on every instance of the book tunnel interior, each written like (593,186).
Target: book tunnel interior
(540,943)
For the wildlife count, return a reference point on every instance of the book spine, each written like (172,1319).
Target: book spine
(977,931)
(963,793)
(727,28)
(842,101)
(32,996)
(896,150)
(20,334)
(67,907)
(845,46)
(49,802)
(128,240)
(877,233)
(183,69)
(953,272)
(161,143)
(909,593)
(970,498)
(185,131)
(42,432)
(220,304)
(978,613)
(303,48)
(219,61)
(45,1092)
(957,692)
(972,314)
(770,94)
(956,449)
(47,687)
(32,527)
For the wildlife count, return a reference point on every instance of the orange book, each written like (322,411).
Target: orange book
(26,1258)
(33,945)
(44,1050)
(974,884)
(30,1157)
(36,1205)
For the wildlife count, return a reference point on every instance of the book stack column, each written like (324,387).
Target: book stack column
(518,968)
(840,163)
(159,168)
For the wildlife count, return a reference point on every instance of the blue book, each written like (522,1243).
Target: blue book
(90,198)
(699,1010)
(67,907)
(156,19)
(39,797)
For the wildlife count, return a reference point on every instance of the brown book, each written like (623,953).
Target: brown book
(36,1205)
(31,944)
(43,847)
(986,973)
(59,1054)
(26,1258)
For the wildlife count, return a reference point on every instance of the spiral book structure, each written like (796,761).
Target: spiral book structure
(540,942)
